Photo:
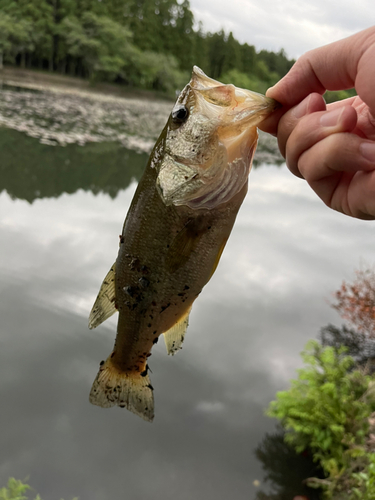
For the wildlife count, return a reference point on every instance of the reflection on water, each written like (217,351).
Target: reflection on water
(30,170)
(61,210)
(285,469)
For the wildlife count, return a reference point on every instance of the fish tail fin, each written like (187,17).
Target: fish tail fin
(131,390)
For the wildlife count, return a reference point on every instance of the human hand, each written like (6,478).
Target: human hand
(333,146)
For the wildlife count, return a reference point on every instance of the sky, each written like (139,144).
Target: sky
(294,25)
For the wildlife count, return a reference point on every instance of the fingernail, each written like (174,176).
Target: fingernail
(331,118)
(302,108)
(367,150)
(270,89)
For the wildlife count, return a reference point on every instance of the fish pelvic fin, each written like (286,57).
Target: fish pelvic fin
(175,336)
(104,305)
(130,390)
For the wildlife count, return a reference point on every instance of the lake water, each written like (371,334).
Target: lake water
(61,211)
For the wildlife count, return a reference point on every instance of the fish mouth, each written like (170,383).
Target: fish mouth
(238,112)
(236,106)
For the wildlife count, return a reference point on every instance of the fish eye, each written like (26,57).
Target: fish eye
(180,114)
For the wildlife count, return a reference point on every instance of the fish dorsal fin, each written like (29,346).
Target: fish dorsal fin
(175,336)
(104,305)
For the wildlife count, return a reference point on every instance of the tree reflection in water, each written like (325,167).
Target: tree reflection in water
(30,170)
(286,470)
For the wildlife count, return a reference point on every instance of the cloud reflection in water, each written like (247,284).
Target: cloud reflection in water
(287,253)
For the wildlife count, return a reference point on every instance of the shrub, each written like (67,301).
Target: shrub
(327,411)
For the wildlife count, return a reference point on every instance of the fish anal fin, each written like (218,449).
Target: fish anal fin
(130,390)
(174,337)
(104,305)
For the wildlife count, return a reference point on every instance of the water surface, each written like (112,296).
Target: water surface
(61,211)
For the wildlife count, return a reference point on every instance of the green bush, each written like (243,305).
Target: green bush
(327,411)
(15,490)
(247,81)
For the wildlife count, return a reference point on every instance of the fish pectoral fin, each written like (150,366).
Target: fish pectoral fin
(130,390)
(181,247)
(104,305)
(174,337)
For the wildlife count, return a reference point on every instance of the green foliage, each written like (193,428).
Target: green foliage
(6,32)
(364,487)
(64,169)
(125,40)
(244,81)
(16,37)
(155,71)
(16,489)
(102,44)
(338,95)
(327,411)
(276,62)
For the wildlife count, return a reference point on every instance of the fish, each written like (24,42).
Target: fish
(175,231)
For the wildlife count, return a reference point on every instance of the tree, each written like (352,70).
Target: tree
(232,56)
(216,53)
(153,23)
(16,38)
(182,46)
(355,302)
(32,23)
(22,39)
(276,62)
(97,39)
(101,45)
(6,31)
(154,70)
(248,58)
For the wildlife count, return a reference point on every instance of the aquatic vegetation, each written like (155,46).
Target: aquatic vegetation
(60,116)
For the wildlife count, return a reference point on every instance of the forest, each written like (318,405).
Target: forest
(150,44)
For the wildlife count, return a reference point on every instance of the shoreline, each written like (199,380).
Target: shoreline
(53,82)
(68,110)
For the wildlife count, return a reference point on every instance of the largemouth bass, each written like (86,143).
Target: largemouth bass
(175,231)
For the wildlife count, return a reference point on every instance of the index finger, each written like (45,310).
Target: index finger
(340,65)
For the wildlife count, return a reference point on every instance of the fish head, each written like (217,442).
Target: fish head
(210,140)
